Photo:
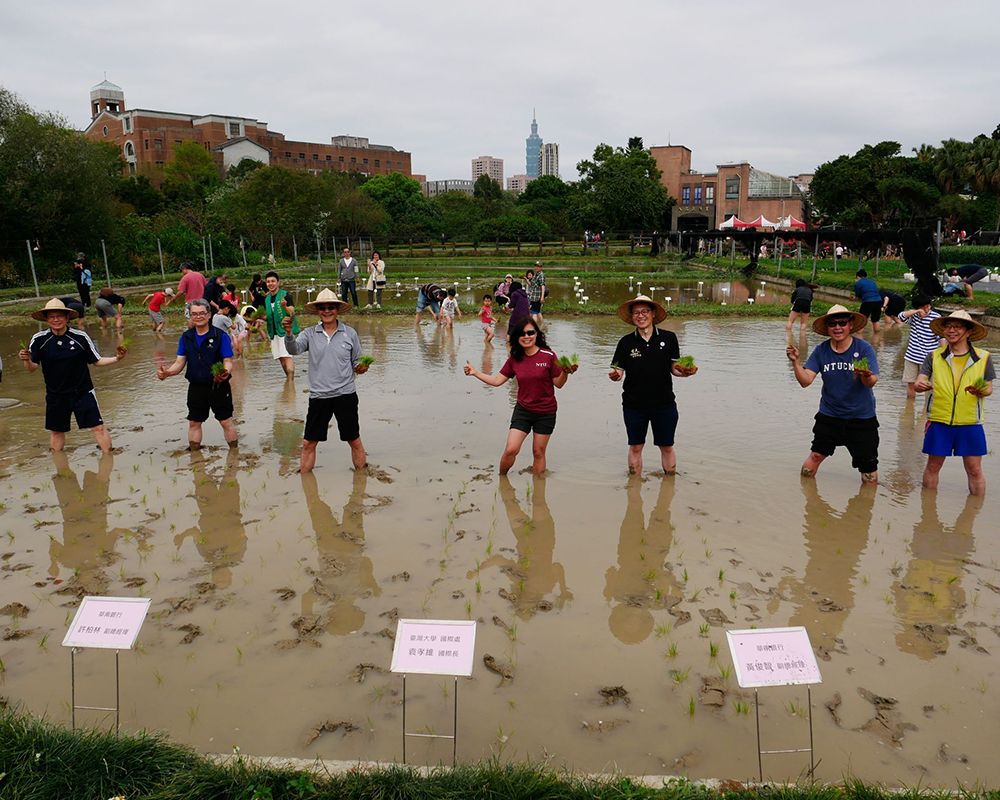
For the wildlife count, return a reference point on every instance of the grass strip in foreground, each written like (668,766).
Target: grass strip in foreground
(42,761)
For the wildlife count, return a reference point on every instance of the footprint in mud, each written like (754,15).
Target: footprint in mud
(360,672)
(505,671)
(612,694)
(191,632)
(344,726)
(284,593)
(378,474)
(714,616)
(603,725)
(15,610)
(887,724)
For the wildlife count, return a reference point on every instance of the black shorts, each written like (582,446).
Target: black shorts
(322,409)
(802,306)
(59,407)
(536,306)
(205,397)
(663,419)
(528,421)
(872,309)
(895,307)
(501,300)
(859,436)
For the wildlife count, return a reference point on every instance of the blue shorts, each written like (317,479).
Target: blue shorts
(423,301)
(954,440)
(663,419)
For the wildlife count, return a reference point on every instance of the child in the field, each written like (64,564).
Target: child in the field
(449,308)
(486,317)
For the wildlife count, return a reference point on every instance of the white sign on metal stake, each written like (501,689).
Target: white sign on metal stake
(111,623)
(434,647)
(773,657)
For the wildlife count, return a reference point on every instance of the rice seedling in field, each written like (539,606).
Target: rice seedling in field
(691,707)
(861,365)
(366,361)
(725,671)
(567,362)
(703,629)
(742,707)
(713,650)
(981,385)
(685,362)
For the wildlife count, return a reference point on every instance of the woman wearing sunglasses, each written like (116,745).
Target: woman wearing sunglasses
(538,376)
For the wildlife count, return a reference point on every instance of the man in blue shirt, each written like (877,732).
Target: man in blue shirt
(847,404)
(866,290)
(200,348)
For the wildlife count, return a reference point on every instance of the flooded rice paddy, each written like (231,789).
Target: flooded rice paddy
(275,596)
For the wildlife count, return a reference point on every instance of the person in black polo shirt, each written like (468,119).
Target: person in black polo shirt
(200,348)
(647,358)
(65,356)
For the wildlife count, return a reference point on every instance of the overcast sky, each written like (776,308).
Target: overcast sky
(450,80)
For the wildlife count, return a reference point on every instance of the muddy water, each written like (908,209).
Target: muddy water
(269,590)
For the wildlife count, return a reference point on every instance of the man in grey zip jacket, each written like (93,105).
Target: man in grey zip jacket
(347,272)
(334,359)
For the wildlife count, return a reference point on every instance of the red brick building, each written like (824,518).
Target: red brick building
(147,138)
(705,200)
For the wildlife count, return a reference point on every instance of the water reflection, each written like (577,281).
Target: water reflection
(641,580)
(824,595)
(88,545)
(286,432)
(533,575)
(345,573)
(219,536)
(905,476)
(930,595)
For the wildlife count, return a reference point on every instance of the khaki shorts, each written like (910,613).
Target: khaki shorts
(278,349)
(910,371)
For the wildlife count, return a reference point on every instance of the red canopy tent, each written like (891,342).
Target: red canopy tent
(734,222)
(791,223)
(761,222)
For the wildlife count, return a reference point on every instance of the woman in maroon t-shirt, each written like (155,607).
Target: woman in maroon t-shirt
(538,376)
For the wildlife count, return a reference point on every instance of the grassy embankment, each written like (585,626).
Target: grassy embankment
(486,270)
(42,761)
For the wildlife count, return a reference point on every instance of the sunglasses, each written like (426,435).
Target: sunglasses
(528,333)
(326,308)
(838,323)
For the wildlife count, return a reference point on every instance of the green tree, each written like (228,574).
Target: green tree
(875,187)
(245,167)
(191,175)
(620,190)
(459,214)
(489,195)
(549,198)
(141,196)
(57,186)
(393,192)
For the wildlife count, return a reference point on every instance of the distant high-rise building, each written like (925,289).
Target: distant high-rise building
(548,159)
(518,183)
(488,165)
(532,150)
(434,188)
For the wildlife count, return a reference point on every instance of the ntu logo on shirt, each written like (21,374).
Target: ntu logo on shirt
(635,353)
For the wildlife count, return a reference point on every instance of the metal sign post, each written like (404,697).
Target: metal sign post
(775,657)
(159,249)
(31,260)
(434,647)
(107,271)
(104,623)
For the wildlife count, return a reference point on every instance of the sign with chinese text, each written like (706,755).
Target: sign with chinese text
(773,657)
(112,623)
(434,647)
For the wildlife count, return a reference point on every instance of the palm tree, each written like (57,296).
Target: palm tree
(985,166)
(951,165)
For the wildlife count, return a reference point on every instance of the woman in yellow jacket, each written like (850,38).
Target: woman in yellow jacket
(959,376)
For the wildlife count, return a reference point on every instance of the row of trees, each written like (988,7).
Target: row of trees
(958,182)
(65,193)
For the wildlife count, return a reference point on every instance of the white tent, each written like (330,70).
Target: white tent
(732,222)
(761,222)
(790,222)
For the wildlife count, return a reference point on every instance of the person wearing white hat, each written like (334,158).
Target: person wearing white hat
(958,376)
(647,360)
(64,356)
(334,359)
(846,415)
(154,303)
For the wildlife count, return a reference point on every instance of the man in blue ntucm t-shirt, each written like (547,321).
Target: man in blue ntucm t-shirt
(847,404)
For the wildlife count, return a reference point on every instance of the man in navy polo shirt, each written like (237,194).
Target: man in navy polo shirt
(647,360)
(201,347)
(64,356)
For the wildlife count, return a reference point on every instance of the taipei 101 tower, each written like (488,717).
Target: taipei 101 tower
(533,150)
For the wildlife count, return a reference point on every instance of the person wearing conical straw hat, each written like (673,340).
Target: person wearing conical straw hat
(334,359)
(958,376)
(647,360)
(65,356)
(849,370)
